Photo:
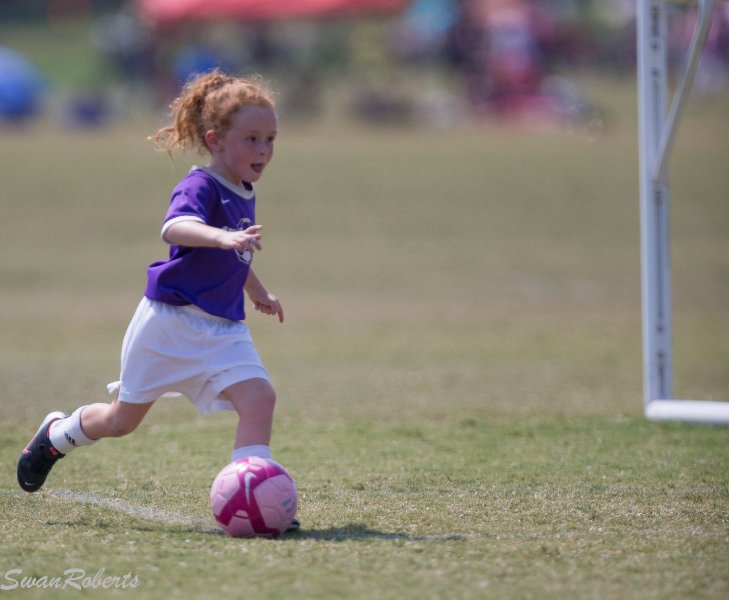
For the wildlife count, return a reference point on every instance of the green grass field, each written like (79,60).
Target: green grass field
(459,376)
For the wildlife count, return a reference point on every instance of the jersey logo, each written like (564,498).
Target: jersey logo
(246,256)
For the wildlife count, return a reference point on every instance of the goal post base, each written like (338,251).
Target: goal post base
(657,127)
(688,411)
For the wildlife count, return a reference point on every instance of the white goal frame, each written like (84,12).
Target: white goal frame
(657,125)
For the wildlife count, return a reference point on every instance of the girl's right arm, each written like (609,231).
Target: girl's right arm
(197,234)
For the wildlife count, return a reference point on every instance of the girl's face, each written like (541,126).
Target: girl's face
(245,149)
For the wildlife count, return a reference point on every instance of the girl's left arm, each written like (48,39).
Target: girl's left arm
(262,299)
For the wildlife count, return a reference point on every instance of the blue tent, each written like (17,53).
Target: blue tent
(21,86)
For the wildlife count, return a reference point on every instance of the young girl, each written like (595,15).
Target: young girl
(187,335)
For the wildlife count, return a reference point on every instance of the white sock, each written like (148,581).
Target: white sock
(66,434)
(245,451)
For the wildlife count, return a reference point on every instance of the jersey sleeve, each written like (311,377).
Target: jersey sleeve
(191,201)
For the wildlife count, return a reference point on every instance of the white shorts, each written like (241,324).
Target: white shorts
(173,350)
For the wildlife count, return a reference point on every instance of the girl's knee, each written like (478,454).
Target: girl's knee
(268,394)
(252,393)
(261,394)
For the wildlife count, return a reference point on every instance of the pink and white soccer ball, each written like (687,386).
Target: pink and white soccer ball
(254,497)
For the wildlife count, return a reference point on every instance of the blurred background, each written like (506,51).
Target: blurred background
(452,211)
(436,63)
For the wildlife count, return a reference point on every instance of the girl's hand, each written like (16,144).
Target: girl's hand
(261,298)
(268,304)
(248,239)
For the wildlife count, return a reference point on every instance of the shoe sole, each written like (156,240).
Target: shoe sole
(50,417)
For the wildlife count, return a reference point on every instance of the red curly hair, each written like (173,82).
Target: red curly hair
(207,102)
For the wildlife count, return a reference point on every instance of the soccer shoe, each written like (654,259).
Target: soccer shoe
(39,456)
(294,526)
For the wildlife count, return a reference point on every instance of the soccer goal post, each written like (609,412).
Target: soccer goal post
(657,123)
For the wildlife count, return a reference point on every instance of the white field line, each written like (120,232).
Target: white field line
(151,513)
(148,513)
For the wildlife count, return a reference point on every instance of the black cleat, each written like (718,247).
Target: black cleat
(39,456)
(294,526)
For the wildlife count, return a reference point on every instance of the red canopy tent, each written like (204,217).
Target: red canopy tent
(165,13)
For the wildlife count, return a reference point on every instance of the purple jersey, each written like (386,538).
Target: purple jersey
(210,278)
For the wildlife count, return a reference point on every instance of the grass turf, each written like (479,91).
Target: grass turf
(459,376)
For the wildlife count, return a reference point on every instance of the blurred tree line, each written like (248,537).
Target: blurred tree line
(504,58)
